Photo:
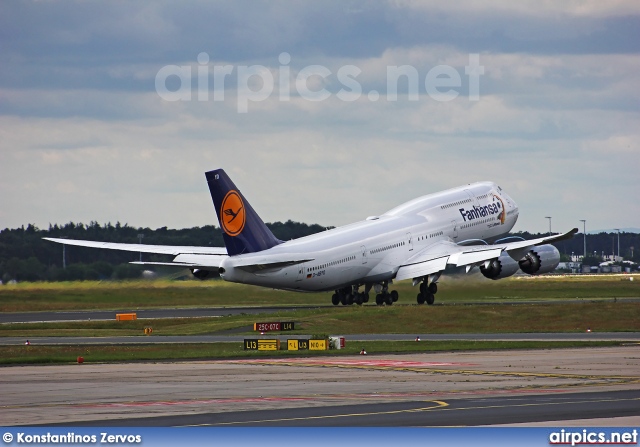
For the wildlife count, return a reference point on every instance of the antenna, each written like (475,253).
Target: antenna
(549,217)
(140,237)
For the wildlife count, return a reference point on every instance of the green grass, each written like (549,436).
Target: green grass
(91,295)
(13,355)
(599,316)
(163,293)
(539,308)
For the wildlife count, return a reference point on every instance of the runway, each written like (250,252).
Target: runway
(97,315)
(630,337)
(424,413)
(88,315)
(425,389)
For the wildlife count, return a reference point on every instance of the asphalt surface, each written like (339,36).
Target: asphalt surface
(338,395)
(631,337)
(592,386)
(424,413)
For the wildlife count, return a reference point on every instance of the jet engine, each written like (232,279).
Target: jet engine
(501,267)
(201,274)
(540,259)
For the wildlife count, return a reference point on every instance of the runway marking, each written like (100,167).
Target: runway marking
(442,406)
(439,404)
(309,398)
(397,397)
(427,368)
(591,401)
(348,362)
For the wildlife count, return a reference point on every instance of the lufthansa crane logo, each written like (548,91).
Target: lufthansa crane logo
(503,215)
(232,214)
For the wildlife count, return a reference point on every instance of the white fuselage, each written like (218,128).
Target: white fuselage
(372,250)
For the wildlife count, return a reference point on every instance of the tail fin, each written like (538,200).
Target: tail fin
(242,228)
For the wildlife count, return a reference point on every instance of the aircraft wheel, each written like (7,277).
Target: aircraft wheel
(349,299)
(433,288)
(394,295)
(379,300)
(430,298)
(358,299)
(343,299)
(387,299)
(365,297)
(420,298)
(335,299)
(422,287)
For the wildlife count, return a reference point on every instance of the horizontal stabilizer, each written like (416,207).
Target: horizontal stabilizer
(167,264)
(269,263)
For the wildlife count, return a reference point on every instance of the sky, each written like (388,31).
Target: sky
(113,111)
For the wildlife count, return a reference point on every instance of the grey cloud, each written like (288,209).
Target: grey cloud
(80,118)
(73,44)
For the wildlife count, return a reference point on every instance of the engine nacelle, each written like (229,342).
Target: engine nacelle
(540,259)
(201,274)
(500,268)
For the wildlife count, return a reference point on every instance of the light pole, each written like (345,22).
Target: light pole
(584,233)
(618,230)
(549,217)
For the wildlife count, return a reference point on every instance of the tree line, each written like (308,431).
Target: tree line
(25,256)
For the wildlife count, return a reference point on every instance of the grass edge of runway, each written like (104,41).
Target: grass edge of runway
(345,320)
(145,294)
(64,354)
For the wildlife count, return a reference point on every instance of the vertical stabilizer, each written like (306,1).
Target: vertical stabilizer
(242,228)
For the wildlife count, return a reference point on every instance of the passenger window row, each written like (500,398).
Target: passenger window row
(329,264)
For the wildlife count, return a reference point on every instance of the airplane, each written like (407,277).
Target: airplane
(459,227)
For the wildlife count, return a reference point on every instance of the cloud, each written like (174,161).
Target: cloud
(47,42)
(84,136)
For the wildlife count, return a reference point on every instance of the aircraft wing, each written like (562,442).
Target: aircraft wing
(436,257)
(185,256)
(208,258)
(143,248)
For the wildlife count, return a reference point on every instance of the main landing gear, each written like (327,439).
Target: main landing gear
(427,292)
(350,295)
(384,296)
